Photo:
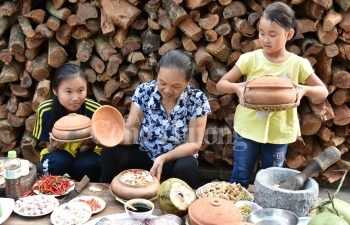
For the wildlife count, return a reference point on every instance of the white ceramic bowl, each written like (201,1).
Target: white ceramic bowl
(138,215)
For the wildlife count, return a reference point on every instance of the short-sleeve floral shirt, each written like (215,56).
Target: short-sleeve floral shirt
(160,134)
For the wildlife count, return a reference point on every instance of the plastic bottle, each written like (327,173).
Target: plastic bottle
(12,174)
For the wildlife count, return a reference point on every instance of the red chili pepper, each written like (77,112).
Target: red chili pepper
(49,184)
(28,193)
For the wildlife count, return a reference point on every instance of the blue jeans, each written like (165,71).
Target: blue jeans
(246,152)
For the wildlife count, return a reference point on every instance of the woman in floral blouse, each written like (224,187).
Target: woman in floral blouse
(165,126)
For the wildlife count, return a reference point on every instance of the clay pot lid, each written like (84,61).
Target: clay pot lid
(72,121)
(270,82)
(213,210)
(107,126)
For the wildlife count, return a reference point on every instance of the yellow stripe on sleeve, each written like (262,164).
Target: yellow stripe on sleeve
(43,107)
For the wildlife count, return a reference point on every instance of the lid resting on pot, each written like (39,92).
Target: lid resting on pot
(72,121)
(270,82)
(107,126)
(213,210)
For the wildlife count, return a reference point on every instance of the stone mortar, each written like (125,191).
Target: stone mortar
(268,196)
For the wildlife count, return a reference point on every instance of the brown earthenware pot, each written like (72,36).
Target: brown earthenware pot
(71,127)
(128,191)
(107,126)
(270,90)
(213,210)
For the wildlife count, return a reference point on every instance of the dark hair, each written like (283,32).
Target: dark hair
(178,59)
(65,72)
(283,15)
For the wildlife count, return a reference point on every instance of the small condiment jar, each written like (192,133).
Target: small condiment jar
(213,210)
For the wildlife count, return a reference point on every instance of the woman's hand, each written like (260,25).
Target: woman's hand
(157,167)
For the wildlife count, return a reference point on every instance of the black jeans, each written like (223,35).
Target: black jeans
(116,159)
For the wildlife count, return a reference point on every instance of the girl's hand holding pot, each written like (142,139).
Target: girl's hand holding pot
(56,145)
(240,90)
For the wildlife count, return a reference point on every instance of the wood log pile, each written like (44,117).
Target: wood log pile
(118,44)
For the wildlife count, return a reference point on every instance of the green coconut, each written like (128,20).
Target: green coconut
(342,207)
(175,196)
(326,218)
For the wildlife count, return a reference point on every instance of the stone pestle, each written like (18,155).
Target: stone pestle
(318,164)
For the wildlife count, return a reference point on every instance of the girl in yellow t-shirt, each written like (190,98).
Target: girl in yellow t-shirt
(260,132)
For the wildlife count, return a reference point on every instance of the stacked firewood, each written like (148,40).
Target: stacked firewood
(118,44)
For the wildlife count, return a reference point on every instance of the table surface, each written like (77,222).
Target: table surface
(112,207)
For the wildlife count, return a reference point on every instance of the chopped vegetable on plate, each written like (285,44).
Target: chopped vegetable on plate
(96,204)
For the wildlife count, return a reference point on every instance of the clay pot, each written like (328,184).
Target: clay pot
(213,210)
(270,90)
(71,127)
(128,191)
(108,126)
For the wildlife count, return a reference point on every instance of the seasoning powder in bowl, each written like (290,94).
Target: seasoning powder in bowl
(247,207)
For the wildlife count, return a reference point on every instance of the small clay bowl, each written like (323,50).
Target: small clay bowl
(71,127)
(270,90)
(107,126)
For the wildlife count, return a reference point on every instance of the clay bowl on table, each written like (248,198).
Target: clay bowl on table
(134,183)
(107,126)
(71,127)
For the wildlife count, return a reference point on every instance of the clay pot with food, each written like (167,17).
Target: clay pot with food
(213,210)
(135,183)
(270,90)
(71,127)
